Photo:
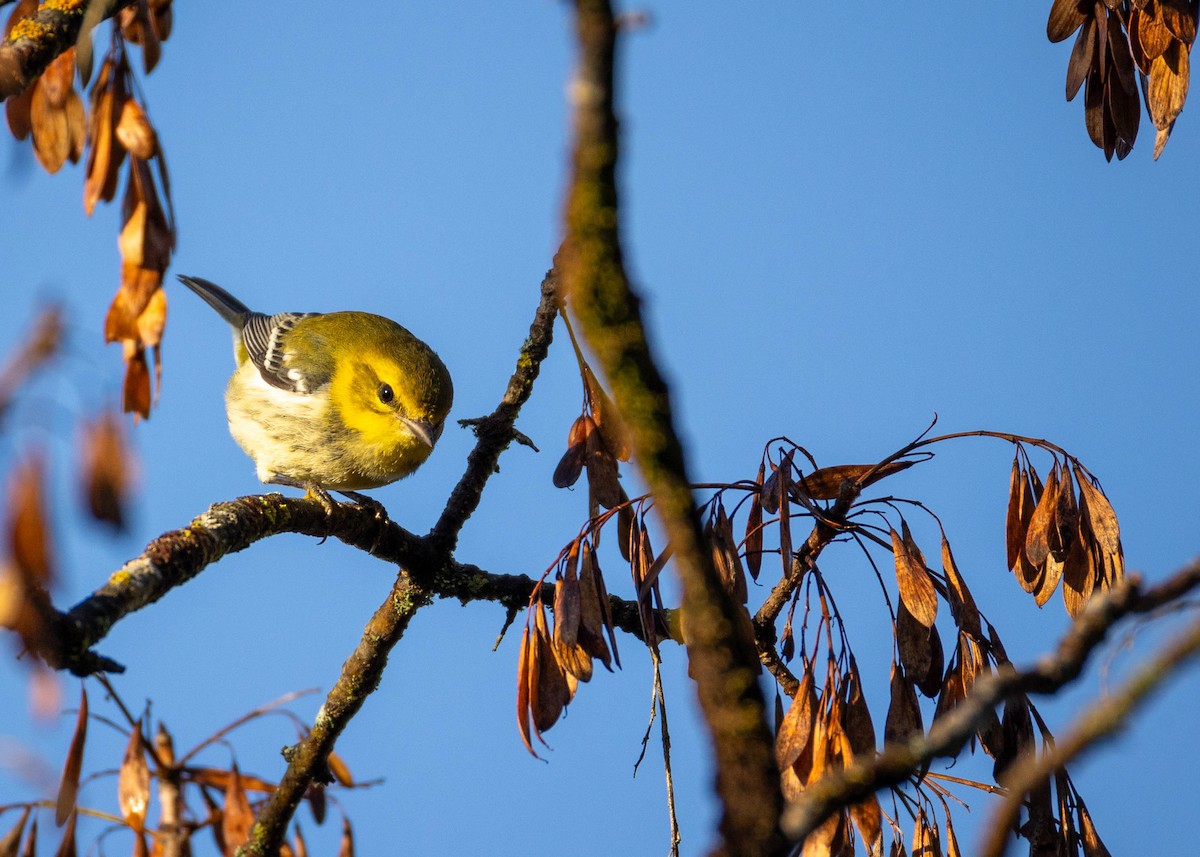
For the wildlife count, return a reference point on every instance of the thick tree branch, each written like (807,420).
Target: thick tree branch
(35,41)
(948,735)
(724,664)
(176,557)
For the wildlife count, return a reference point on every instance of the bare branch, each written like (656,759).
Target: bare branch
(497,431)
(307,760)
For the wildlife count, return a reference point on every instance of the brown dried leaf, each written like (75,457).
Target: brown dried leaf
(1037,540)
(51,132)
(1082,55)
(962,603)
(826,482)
(340,770)
(608,419)
(904,712)
(135,132)
(603,473)
(592,603)
(66,848)
(916,588)
(1099,514)
(1017,728)
(725,555)
(1153,37)
(569,651)
(68,789)
(625,530)
(10,843)
(931,682)
(856,717)
(1093,846)
(796,729)
(525,668)
(17,109)
(105,154)
(237,817)
(1065,18)
(108,469)
(29,532)
(1052,573)
(1079,574)
(868,818)
(1166,87)
(1180,18)
(133,781)
(30,849)
(753,543)
(299,846)
(913,644)
(346,848)
(1066,518)
(550,691)
(1014,523)
(769,493)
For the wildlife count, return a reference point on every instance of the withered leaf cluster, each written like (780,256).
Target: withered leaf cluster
(1055,534)
(943,642)
(821,733)
(50,111)
(187,799)
(597,442)
(1116,42)
(115,129)
(553,662)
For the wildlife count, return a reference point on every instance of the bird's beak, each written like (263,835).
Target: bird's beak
(423,429)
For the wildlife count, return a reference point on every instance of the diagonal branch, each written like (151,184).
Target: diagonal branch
(496,430)
(307,760)
(948,735)
(723,662)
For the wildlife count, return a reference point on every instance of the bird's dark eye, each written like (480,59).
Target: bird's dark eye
(385,393)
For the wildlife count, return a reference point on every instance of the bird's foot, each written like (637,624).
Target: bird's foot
(371,503)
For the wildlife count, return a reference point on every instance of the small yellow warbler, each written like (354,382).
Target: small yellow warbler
(330,402)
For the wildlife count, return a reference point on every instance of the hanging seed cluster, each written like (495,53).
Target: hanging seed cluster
(1116,43)
(113,129)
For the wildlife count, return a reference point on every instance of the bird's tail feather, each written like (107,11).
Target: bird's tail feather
(226,305)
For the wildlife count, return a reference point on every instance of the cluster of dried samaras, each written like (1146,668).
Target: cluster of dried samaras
(1117,40)
(1054,534)
(113,125)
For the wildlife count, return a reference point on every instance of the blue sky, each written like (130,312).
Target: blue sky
(843,221)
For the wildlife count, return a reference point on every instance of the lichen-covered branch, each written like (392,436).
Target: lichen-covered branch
(34,42)
(176,557)
(949,734)
(307,760)
(599,294)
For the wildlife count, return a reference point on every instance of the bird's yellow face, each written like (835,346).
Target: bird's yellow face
(396,402)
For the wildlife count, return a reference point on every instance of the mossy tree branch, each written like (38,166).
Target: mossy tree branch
(37,40)
(598,292)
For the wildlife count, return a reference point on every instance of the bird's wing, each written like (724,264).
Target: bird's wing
(265,339)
